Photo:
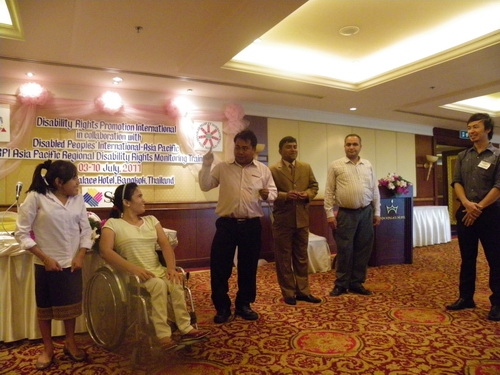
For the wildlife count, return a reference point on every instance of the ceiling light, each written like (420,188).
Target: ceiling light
(30,74)
(33,93)
(5,17)
(486,103)
(182,105)
(307,64)
(109,102)
(10,25)
(349,30)
(352,109)
(31,89)
(117,80)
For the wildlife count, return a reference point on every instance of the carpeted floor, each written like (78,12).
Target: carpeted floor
(402,329)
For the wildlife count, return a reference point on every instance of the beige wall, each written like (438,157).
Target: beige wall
(320,144)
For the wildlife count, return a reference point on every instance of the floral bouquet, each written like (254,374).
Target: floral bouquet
(396,183)
(95,224)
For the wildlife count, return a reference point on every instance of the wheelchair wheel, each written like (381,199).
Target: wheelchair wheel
(105,308)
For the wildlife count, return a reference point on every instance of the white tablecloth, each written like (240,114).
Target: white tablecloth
(431,225)
(17,290)
(17,293)
(319,254)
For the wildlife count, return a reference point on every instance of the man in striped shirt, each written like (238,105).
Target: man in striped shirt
(351,187)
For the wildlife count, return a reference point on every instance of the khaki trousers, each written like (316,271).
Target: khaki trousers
(168,303)
(290,254)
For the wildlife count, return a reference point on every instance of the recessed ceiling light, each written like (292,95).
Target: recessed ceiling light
(10,25)
(30,74)
(487,103)
(117,80)
(284,58)
(189,91)
(349,30)
(353,109)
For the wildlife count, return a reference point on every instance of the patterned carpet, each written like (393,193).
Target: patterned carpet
(402,329)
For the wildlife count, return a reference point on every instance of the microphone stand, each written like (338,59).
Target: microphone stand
(2,219)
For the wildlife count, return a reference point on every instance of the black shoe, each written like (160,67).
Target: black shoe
(360,289)
(290,300)
(222,316)
(309,298)
(337,291)
(247,313)
(461,304)
(494,313)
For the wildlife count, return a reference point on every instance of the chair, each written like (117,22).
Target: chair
(319,254)
(117,304)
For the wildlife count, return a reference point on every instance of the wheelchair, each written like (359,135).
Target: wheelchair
(116,306)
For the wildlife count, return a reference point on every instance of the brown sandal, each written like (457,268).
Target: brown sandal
(194,335)
(167,344)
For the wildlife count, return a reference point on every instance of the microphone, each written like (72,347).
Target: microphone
(19,187)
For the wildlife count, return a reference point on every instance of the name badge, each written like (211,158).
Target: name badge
(484,164)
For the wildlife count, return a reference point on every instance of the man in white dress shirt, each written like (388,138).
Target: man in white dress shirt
(244,183)
(352,187)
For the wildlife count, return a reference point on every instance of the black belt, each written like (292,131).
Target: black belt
(354,209)
(240,219)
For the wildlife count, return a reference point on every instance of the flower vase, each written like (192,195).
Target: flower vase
(388,193)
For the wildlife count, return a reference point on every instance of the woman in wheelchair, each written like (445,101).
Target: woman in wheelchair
(128,242)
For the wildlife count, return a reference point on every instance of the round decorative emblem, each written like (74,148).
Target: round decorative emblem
(208,135)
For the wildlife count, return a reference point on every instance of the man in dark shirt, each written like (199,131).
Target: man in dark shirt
(476,182)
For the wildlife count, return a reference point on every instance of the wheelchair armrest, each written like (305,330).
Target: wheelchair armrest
(135,286)
(184,273)
(134,279)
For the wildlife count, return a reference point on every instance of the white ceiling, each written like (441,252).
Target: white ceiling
(185,44)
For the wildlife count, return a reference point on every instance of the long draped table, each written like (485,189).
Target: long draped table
(17,293)
(431,225)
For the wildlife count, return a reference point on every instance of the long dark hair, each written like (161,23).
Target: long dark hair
(122,192)
(62,169)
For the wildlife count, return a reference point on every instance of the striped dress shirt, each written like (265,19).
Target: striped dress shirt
(351,185)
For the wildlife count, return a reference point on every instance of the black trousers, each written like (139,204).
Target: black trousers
(246,235)
(485,229)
